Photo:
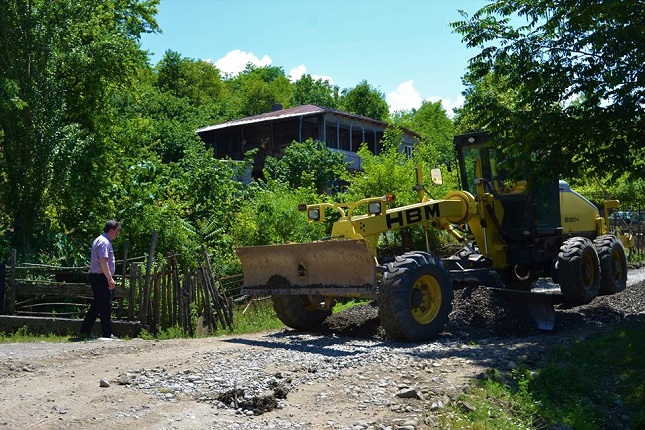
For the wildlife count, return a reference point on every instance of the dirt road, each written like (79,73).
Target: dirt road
(346,378)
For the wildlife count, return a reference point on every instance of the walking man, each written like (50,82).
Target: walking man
(102,267)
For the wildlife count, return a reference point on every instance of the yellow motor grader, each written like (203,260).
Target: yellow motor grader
(512,234)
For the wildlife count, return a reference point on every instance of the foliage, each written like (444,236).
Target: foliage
(198,81)
(391,171)
(434,126)
(175,332)
(257,89)
(308,164)
(365,100)
(61,62)
(270,216)
(317,92)
(255,316)
(90,131)
(22,335)
(574,72)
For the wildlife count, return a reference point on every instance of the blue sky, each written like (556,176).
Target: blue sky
(405,49)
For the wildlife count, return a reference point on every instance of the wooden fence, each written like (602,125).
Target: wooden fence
(156,293)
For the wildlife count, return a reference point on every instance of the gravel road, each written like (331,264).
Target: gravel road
(348,376)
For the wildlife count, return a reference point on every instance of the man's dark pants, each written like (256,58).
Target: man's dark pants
(101,306)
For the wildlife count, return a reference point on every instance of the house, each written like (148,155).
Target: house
(271,132)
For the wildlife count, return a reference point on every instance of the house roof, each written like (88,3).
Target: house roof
(304,110)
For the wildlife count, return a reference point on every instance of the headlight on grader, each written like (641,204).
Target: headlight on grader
(374,208)
(313,214)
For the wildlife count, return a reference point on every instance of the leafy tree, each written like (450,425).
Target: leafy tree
(198,81)
(318,92)
(306,164)
(390,171)
(436,129)
(270,216)
(576,72)
(365,100)
(257,89)
(61,62)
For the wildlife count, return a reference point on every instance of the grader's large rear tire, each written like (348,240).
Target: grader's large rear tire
(613,264)
(578,271)
(306,312)
(414,297)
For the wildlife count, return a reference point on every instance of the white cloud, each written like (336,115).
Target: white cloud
(297,72)
(404,97)
(301,70)
(235,61)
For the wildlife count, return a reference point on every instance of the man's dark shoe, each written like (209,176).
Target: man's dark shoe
(86,336)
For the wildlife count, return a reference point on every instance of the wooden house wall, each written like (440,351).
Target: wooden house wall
(272,137)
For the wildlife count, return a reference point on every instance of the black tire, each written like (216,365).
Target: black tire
(301,312)
(414,297)
(613,264)
(578,271)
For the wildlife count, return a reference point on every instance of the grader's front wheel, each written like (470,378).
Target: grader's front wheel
(414,297)
(304,312)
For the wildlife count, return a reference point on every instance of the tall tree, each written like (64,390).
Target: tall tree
(197,80)
(576,71)
(436,129)
(365,100)
(257,89)
(317,92)
(59,63)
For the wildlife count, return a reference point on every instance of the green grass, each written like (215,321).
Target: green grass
(597,383)
(342,305)
(259,316)
(23,335)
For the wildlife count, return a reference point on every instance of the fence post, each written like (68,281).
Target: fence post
(156,309)
(146,294)
(133,288)
(126,245)
(12,284)
(3,270)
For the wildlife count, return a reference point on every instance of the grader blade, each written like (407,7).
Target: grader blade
(539,306)
(343,268)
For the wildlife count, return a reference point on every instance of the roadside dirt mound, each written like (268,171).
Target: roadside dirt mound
(481,313)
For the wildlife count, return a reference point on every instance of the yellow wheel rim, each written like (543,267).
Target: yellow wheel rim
(426,299)
(588,271)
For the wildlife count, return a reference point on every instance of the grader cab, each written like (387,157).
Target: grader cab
(512,234)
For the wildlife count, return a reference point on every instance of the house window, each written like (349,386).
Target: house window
(344,139)
(331,136)
(408,150)
(357,139)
